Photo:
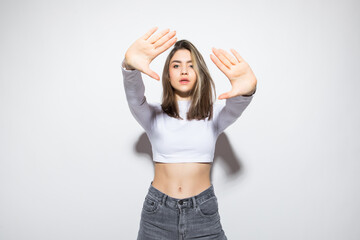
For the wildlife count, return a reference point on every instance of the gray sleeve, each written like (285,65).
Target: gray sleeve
(231,111)
(134,89)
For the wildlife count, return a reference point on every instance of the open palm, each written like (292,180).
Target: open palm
(140,54)
(238,71)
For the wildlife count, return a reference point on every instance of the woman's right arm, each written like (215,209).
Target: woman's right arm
(137,59)
(135,90)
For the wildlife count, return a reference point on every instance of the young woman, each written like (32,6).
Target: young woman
(181,202)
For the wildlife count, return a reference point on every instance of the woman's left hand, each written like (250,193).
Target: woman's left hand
(238,71)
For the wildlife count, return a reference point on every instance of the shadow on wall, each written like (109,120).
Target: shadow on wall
(223,151)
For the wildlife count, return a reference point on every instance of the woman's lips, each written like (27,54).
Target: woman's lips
(184,81)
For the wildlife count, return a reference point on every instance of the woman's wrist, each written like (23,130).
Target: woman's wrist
(249,95)
(127,66)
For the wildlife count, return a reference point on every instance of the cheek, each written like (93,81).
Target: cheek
(171,77)
(172,74)
(194,83)
(194,77)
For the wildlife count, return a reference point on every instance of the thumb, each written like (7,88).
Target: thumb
(151,74)
(226,95)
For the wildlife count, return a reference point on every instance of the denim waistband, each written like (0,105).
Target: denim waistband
(181,202)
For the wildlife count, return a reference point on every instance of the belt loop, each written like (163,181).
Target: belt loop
(163,199)
(194,201)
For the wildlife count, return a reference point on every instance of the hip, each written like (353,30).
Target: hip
(195,217)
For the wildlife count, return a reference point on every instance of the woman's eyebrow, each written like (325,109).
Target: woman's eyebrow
(180,61)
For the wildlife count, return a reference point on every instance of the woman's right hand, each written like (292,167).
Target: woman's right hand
(140,54)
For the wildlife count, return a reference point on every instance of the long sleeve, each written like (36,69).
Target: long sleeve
(232,110)
(134,89)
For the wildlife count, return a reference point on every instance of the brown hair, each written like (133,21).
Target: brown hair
(202,93)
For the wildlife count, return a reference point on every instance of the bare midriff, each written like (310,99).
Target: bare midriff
(182,180)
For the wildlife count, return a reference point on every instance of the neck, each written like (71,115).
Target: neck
(180,96)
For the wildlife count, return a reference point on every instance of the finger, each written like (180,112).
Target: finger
(164,39)
(151,74)
(219,64)
(157,36)
(228,56)
(149,33)
(237,55)
(221,57)
(166,45)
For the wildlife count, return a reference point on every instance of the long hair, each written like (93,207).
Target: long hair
(202,93)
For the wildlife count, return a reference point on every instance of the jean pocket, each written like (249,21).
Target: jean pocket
(209,208)
(151,205)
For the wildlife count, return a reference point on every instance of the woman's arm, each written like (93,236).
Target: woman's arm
(229,113)
(135,95)
(137,59)
(243,83)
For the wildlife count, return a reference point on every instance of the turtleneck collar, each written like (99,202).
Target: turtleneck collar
(183,102)
(183,105)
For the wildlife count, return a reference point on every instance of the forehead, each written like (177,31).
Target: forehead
(182,55)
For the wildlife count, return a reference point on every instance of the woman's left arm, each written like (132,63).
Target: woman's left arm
(243,83)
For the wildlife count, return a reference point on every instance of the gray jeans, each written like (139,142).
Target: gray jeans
(167,218)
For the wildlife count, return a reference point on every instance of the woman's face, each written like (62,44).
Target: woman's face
(182,74)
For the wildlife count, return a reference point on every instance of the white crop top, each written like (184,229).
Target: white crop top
(175,140)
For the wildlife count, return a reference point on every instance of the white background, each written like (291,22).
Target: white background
(74,163)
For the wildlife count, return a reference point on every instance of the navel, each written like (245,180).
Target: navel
(179,188)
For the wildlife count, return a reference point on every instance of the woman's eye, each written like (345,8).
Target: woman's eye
(176,66)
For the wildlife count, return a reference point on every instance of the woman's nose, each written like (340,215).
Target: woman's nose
(184,70)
